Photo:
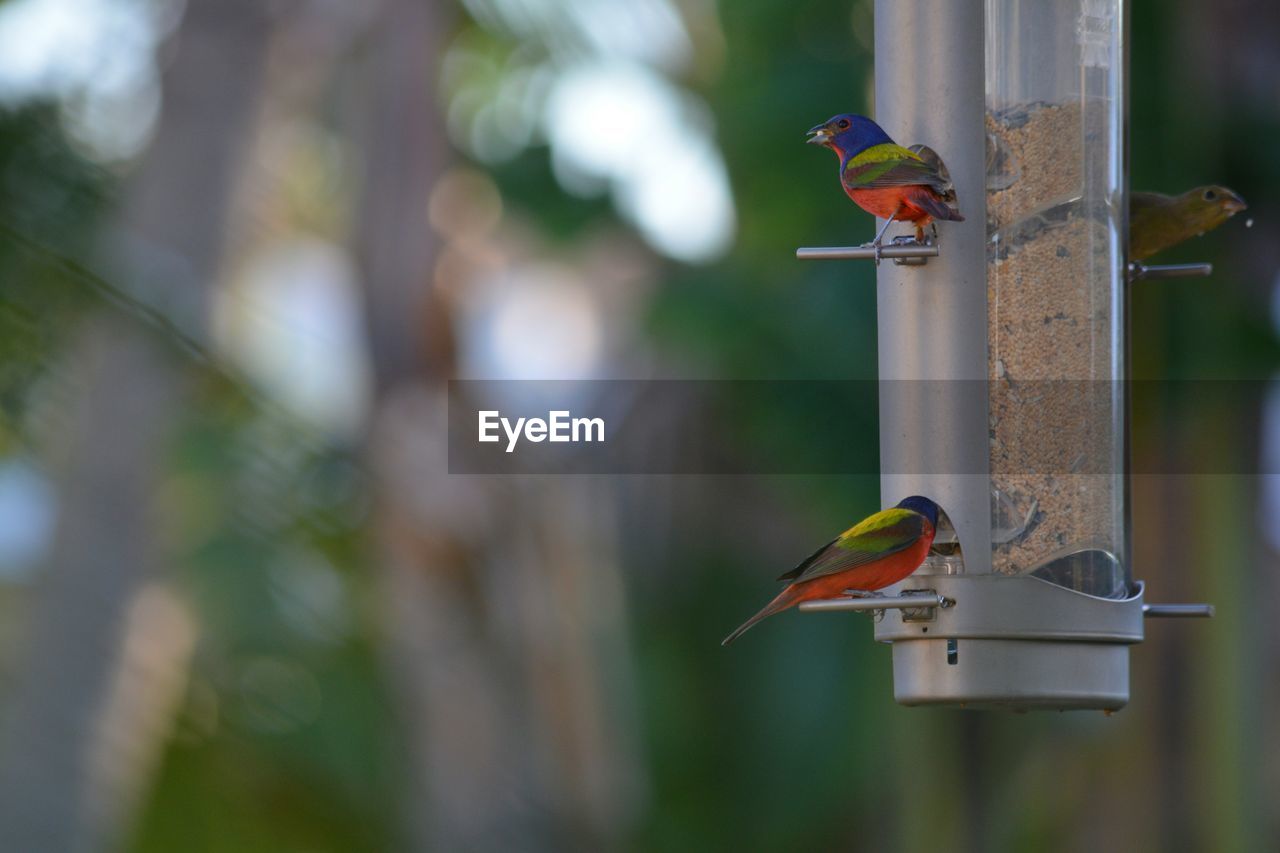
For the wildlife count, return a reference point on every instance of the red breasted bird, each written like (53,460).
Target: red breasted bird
(885,179)
(880,550)
(1157,221)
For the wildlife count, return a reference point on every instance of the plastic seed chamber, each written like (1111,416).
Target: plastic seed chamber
(1002,356)
(1056,229)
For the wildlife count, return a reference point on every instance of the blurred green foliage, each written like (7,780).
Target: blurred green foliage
(51,201)
(284,740)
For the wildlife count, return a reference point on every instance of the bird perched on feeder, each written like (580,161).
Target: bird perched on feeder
(885,179)
(1157,221)
(878,551)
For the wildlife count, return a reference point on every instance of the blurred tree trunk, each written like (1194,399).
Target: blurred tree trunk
(107,646)
(502,599)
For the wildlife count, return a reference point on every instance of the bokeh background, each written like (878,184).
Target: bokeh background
(244,245)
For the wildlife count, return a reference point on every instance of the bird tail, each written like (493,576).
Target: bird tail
(934,206)
(785,599)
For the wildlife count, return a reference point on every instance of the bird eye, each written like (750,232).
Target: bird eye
(843,124)
(1210,195)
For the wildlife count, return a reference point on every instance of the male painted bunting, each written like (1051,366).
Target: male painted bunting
(885,179)
(1157,221)
(880,550)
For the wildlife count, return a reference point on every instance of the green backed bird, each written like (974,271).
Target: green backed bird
(885,179)
(878,551)
(1157,221)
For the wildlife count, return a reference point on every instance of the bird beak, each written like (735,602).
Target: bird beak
(818,135)
(1234,204)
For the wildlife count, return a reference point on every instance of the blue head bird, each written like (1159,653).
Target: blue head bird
(922,505)
(848,134)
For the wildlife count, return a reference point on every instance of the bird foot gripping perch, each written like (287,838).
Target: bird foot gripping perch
(909,241)
(876,243)
(904,241)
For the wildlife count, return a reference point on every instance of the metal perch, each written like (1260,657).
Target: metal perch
(906,601)
(1157,272)
(910,254)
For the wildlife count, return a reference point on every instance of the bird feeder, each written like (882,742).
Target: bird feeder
(1002,352)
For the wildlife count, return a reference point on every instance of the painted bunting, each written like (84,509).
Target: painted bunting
(1157,221)
(885,179)
(880,550)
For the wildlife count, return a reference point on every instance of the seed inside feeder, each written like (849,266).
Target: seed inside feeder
(1053,410)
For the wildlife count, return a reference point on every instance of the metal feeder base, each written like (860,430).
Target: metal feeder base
(1020,674)
(1012,642)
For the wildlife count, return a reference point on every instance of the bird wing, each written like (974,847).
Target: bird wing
(1140,202)
(931,159)
(874,538)
(1154,225)
(1157,222)
(890,165)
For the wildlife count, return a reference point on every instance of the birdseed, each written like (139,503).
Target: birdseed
(1053,447)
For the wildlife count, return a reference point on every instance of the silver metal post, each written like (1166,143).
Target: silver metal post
(933,318)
